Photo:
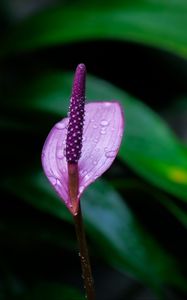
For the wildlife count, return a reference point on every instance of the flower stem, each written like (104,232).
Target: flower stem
(84,256)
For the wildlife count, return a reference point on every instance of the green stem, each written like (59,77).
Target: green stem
(84,256)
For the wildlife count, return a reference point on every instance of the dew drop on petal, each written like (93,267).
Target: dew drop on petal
(87,176)
(110,154)
(107,104)
(104,123)
(94,162)
(103,131)
(53,180)
(58,182)
(81,188)
(60,125)
(94,126)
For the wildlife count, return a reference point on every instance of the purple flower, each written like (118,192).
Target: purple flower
(76,116)
(82,147)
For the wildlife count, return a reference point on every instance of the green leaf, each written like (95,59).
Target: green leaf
(174,209)
(152,194)
(156,23)
(50,291)
(110,224)
(123,242)
(148,146)
(25,231)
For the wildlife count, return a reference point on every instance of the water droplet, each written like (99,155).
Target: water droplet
(60,125)
(87,176)
(92,120)
(58,182)
(110,154)
(81,188)
(60,153)
(53,180)
(104,123)
(94,126)
(84,139)
(94,162)
(103,131)
(107,104)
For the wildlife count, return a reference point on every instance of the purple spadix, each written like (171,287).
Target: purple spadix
(76,116)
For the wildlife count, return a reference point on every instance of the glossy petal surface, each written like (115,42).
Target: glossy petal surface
(102,135)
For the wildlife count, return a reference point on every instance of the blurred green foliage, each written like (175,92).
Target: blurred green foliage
(151,165)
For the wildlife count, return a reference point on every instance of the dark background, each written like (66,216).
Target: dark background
(35,261)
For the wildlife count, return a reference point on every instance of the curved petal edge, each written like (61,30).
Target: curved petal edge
(102,135)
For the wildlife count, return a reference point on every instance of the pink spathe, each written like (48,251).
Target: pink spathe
(102,135)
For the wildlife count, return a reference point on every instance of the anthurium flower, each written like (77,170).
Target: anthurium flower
(81,147)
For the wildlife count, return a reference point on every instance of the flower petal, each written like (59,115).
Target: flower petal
(103,131)
(54,160)
(102,135)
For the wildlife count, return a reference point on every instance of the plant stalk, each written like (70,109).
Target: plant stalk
(84,256)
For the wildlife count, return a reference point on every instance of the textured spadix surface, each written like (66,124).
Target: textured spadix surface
(102,135)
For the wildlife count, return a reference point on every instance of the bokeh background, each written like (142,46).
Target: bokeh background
(136,214)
